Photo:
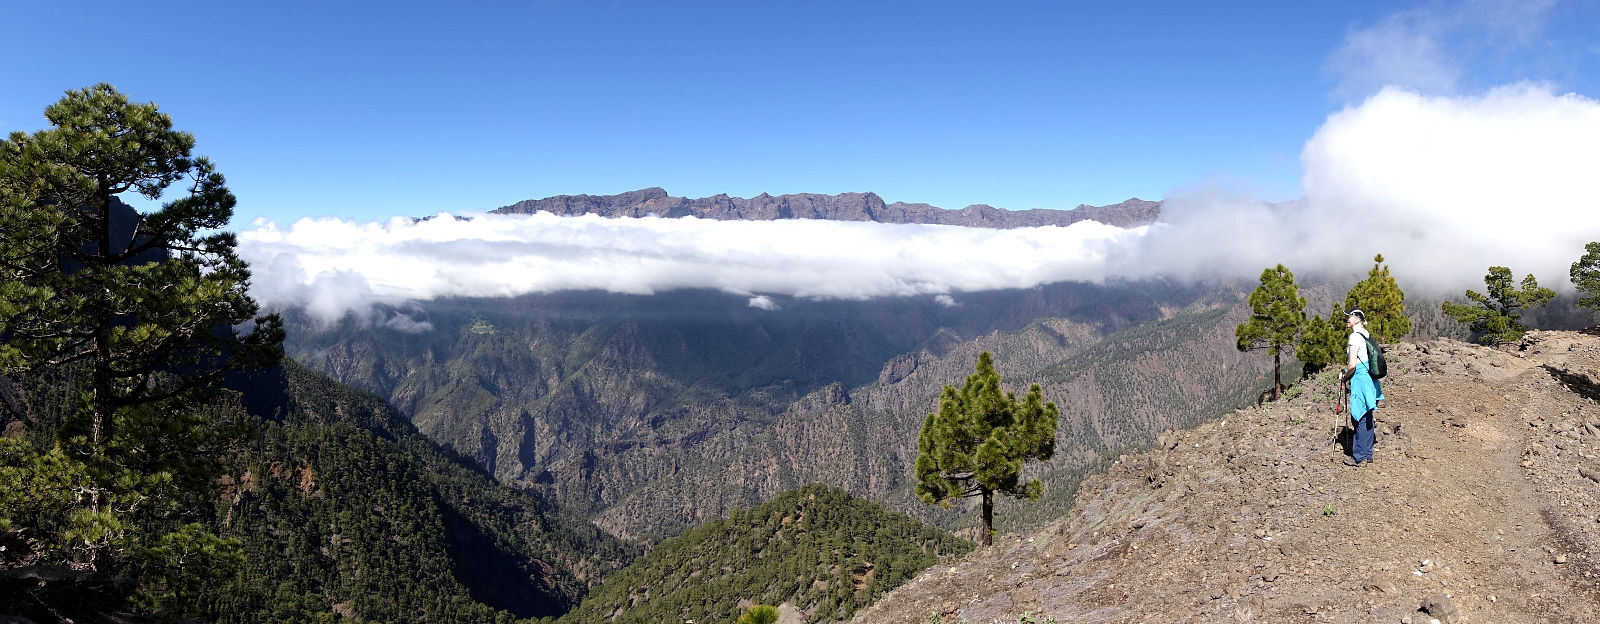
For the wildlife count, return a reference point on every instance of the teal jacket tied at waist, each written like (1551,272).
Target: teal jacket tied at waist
(1365,392)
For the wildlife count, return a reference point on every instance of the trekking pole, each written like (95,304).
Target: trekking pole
(1338,409)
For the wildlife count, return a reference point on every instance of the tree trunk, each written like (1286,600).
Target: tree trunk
(988,517)
(101,404)
(1277,380)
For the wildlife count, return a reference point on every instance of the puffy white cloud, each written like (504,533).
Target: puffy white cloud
(1444,187)
(1447,186)
(945,300)
(403,323)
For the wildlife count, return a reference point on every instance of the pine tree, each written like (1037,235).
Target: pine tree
(759,614)
(1322,341)
(1496,316)
(979,440)
(145,302)
(1586,276)
(1277,314)
(1382,302)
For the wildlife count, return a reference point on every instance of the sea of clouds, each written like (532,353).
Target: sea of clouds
(1444,186)
(334,267)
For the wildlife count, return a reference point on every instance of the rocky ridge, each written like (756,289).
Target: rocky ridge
(1481,506)
(841,207)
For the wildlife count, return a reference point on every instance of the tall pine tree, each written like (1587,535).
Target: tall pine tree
(1496,317)
(979,440)
(1277,312)
(1379,298)
(148,304)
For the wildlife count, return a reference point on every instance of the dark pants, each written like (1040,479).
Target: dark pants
(1361,443)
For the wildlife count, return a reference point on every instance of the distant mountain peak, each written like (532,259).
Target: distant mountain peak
(842,207)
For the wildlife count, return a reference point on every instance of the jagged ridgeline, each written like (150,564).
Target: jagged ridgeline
(344,509)
(819,549)
(842,207)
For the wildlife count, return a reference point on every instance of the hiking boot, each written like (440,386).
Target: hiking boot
(1351,461)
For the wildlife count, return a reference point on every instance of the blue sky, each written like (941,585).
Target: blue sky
(375,109)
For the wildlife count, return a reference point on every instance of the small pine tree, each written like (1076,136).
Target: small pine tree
(759,614)
(1379,298)
(1586,276)
(978,441)
(1322,341)
(1277,314)
(1495,317)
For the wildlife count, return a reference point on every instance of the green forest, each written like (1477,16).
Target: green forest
(334,505)
(817,548)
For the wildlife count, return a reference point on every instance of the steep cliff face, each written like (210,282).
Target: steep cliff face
(1116,389)
(841,207)
(1479,507)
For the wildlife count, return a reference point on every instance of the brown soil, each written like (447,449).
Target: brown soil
(1482,505)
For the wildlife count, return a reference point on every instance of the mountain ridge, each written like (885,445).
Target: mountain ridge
(1479,507)
(841,207)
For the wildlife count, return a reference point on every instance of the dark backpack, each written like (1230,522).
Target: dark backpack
(1375,364)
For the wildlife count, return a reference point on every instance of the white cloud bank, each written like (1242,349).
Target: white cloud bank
(1443,186)
(333,266)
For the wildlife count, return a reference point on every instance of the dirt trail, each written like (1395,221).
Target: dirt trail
(1483,505)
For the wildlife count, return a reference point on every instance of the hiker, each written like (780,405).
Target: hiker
(1364,390)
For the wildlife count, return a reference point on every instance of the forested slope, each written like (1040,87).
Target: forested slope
(343,506)
(818,548)
(343,509)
